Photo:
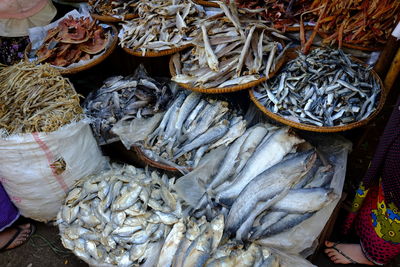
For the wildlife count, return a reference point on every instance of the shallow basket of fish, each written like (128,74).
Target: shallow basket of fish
(83,62)
(112,18)
(229,89)
(156,53)
(359,112)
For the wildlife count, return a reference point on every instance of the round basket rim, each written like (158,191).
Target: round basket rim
(108,18)
(91,63)
(325,129)
(157,54)
(153,163)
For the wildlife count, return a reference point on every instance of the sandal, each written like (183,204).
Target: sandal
(15,236)
(342,253)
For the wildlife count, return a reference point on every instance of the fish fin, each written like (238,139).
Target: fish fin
(190,188)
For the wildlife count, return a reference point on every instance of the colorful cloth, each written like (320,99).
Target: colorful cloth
(12,49)
(378,226)
(375,206)
(8,212)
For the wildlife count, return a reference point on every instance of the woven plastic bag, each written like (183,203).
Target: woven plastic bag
(37,170)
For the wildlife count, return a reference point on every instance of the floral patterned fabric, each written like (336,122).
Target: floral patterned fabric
(12,49)
(378,226)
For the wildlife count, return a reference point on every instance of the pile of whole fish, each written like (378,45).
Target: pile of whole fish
(189,128)
(191,242)
(162,25)
(119,217)
(116,8)
(228,51)
(260,179)
(232,254)
(122,98)
(324,88)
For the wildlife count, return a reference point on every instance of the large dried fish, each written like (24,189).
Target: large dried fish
(36,98)
(191,127)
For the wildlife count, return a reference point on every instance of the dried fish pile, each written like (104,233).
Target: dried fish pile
(191,242)
(362,23)
(117,8)
(73,40)
(323,88)
(281,13)
(123,98)
(233,254)
(36,98)
(191,127)
(119,217)
(228,52)
(162,25)
(264,184)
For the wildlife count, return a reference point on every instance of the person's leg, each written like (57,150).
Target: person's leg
(15,236)
(346,253)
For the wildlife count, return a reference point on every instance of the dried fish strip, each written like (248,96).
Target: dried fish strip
(162,25)
(36,98)
(323,88)
(359,23)
(224,56)
(123,98)
(117,8)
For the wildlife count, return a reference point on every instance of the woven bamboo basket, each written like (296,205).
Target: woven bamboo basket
(91,63)
(156,54)
(153,163)
(113,19)
(323,129)
(229,89)
(206,3)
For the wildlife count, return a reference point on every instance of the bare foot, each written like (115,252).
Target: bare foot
(351,250)
(9,233)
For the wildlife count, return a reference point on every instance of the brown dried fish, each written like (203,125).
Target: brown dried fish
(36,98)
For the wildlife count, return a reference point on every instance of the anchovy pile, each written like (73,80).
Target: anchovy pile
(324,88)
(162,25)
(260,174)
(228,51)
(190,127)
(122,98)
(119,217)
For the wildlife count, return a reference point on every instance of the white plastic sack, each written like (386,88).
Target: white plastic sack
(38,169)
(302,238)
